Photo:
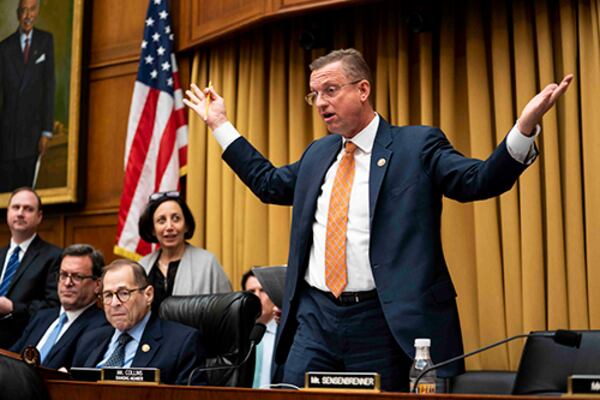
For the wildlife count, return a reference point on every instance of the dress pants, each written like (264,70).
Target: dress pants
(344,338)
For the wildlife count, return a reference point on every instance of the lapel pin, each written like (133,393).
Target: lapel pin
(145,348)
(381,162)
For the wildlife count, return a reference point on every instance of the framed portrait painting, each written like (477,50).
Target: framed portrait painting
(40,90)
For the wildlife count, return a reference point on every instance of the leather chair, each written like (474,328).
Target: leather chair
(19,381)
(545,365)
(482,382)
(225,322)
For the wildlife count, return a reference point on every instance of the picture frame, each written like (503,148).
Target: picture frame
(57,177)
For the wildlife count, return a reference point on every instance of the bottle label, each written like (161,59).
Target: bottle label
(423,388)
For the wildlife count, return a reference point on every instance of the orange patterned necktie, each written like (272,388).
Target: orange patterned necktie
(336,275)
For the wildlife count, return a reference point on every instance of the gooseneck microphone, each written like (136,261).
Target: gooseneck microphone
(561,336)
(256,335)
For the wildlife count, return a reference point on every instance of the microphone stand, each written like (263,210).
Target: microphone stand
(451,360)
(560,336)
(219,367)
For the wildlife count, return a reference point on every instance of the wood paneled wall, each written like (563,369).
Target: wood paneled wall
(202,20)
(112,53)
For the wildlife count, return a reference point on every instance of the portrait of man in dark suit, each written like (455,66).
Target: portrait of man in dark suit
(27,85)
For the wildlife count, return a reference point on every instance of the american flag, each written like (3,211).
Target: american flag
(157,136)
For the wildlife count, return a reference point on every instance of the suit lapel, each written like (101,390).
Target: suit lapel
(380,159)
(323,157)
(3,252)
(72,333)
(97,353)
(149,343)
(30,255)
(40,329)
(17,55)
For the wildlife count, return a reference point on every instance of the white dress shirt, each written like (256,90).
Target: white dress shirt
(360,275)
(24,36)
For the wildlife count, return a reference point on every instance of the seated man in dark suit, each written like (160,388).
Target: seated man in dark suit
(28,267)
(54,332)
(137,338)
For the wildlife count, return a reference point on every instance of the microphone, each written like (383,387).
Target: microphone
(256,335)
(561,336)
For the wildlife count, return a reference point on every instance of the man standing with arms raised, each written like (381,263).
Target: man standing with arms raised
(29,266)
(366,272)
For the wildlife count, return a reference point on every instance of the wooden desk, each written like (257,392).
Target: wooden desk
(64,390)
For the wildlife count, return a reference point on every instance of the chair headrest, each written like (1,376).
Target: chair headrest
(224,320)
(546,362)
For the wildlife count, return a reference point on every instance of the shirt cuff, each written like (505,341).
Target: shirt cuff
(521,147)
(226,134)
(48,134)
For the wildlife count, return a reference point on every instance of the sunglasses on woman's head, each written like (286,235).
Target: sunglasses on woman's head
(160,195)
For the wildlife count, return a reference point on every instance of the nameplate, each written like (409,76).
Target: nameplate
(343,381)
(131,375)
(584,384)
(85,374)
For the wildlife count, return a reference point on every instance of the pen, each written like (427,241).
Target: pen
(208,99)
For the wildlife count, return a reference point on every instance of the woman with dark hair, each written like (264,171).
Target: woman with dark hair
(177,267)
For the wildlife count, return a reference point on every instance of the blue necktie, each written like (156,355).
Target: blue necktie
(258,365)
(62,320)
(11,268)
(117,358)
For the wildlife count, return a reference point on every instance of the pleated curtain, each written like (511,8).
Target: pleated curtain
(528,260)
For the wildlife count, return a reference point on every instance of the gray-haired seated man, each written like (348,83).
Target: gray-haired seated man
(137,337)
(54,331)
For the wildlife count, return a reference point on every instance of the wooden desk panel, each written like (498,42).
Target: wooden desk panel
(64,390)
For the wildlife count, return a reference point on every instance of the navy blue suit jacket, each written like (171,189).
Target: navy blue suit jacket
(174,348)
(32,287)
(405,204)
(62,352)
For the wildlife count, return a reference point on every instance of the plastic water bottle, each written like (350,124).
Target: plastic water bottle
(422,361)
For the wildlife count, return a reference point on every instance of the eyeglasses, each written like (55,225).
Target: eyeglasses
(160,195)
(75,278)
(328,93)
(123,294)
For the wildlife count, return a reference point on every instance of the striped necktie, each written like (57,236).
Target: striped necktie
(52,338)
(336,274)
(11,269)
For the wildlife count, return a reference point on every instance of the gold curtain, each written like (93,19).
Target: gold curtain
(528,260)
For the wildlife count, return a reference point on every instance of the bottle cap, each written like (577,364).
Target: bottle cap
(422,342)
